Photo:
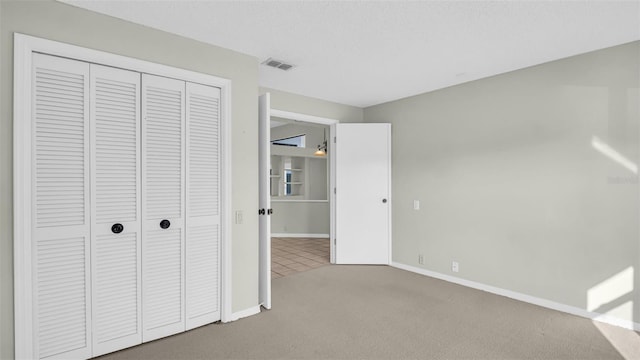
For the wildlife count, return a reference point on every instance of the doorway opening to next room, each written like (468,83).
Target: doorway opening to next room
(299,183)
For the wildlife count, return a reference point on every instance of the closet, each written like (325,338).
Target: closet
(125,225)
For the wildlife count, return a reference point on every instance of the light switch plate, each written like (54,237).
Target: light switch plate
(416,204)
(239,217)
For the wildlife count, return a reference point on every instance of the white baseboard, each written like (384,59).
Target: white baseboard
(300,235)
(524,297)
(245,313)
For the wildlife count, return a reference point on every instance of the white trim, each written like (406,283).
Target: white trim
(390,195)
(299,201)
(226,218)
(303,117)
(22,274)
(245,313)
(298,235)
(24,46)
(332,148)
(523,297)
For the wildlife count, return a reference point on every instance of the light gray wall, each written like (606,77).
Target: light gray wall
(300,218)
(61,22)
(315,135)
(282,100)
(303,217)
(511,185)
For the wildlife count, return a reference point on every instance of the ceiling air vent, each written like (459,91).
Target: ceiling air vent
(277,64)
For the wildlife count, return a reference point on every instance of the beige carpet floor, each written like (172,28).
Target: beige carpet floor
(379,312)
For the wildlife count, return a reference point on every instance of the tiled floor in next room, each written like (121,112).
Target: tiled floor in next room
(292,255)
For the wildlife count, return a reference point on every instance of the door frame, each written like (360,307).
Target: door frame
(24,47)
(331,150)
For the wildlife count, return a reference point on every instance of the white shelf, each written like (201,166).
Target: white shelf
(294,183)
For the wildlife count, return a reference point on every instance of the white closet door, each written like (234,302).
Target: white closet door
(115,209)
(203,205)
(60,228)
(163,167)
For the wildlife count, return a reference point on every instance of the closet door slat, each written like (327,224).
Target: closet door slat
(163,156)
(62,306)
(203,205)
(116,194)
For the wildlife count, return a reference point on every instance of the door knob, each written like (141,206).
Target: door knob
(384,201)
(117,228)
(164,224)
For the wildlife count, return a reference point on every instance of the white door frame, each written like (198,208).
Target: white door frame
(24,47)
(332,161)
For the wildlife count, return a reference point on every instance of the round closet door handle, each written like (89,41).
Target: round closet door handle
(117,228)
(165,224)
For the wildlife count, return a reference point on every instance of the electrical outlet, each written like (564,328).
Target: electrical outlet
(420,259)
(416,204)
(455,267)
(239,217)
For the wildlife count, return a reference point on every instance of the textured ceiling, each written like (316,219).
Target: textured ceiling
(364,53)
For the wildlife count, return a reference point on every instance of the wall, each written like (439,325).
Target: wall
(61,22)
(291,218)
(282,100)
(521,180)
(315,134)
(301,217)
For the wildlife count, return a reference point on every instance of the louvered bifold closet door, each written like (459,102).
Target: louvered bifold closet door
(163,166)
(203,205)
(60,227)
(115,209)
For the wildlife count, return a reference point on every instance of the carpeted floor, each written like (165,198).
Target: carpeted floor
(379,312)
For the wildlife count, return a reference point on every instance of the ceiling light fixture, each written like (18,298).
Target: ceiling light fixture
(322,149)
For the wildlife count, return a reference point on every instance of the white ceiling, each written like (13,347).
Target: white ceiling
(364,53)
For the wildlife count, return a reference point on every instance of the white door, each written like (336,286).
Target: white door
(60,240)
(163,190)
(115,209)
(363,193)
(264,204)
(203,205)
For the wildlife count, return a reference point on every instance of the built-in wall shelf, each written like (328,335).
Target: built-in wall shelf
(300,177)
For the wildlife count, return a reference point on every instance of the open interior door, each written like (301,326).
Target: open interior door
(264,203)
(363,193)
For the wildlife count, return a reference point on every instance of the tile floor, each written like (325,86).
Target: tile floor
(292,255)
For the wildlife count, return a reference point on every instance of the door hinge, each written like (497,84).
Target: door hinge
(334,241)
(335,139)
(335,191)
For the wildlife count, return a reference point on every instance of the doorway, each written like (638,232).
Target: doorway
(299,190)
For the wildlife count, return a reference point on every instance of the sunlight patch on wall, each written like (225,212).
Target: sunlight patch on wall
(611,298)
(613,154)
(605,297)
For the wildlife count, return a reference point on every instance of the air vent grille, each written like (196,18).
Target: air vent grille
(278,64)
